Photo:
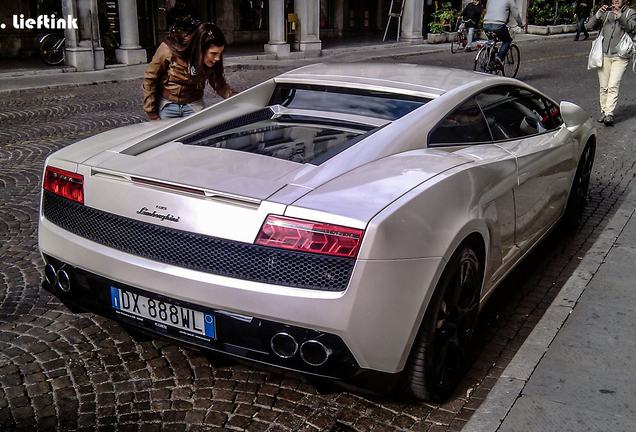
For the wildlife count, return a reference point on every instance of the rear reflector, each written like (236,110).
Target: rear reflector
(65,184)
(309,236)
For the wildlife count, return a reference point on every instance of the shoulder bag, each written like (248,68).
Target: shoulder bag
(595,58)
(625,47)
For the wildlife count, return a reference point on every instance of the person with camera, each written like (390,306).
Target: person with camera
(615,20)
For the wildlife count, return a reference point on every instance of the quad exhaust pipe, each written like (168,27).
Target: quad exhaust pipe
(58,278)
(284,345)
(312,351)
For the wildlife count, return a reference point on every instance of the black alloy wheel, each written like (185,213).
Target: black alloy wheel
(440,355)
(580,186)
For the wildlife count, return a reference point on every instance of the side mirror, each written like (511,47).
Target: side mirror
(573,115)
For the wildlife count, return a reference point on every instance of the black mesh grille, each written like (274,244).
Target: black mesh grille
(198,252)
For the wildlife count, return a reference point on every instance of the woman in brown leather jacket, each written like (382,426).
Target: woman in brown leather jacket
(174,81)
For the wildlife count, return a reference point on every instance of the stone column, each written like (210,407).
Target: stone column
(309,17)
(522,5)
(412,17)
(129,52)
(277,44)
(69,8)
(87,54)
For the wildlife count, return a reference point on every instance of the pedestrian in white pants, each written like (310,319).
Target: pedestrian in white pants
(609,78)
(615,20)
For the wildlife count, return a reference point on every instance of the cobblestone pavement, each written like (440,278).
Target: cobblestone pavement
(65,371)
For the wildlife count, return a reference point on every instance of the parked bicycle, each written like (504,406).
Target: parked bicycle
(52,48)
(485,59)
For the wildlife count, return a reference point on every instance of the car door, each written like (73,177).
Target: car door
(493,176)
(528,125)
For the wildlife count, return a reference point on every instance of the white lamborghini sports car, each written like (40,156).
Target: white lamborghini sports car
(346,221)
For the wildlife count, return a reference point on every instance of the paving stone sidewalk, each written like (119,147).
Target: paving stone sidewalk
(577,369)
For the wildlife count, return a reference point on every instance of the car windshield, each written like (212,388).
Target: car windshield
(367,103)
(295,138)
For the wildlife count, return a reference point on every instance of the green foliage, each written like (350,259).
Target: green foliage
(542,13)
(444,18)
(566,12)
(436,27)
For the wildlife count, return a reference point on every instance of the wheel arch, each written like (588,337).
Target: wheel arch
(473,239)
(476,242)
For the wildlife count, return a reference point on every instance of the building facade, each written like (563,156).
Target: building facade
(282,26)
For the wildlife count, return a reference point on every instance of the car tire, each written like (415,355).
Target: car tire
(440,354)
(580,186)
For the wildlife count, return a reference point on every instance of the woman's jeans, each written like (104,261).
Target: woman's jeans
(582,29)
(609,78)
(471,32)
(501,30)
(173,110)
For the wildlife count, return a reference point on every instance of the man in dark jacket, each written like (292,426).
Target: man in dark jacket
(581,12)
(471,17)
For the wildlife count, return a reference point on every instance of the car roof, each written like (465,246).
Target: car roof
(403,78)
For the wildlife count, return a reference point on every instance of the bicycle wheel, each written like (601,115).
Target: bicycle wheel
(456,43)
(52,49)
(109,45)
(481,60)
(511,62)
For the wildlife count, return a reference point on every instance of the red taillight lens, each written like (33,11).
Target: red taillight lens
(65,184)
(308,236)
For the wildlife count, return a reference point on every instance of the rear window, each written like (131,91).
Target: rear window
(367,103)
(294,138)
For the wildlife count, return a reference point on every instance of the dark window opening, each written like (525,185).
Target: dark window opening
(465,125)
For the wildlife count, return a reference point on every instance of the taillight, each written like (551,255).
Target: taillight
(309,236)
(65,184)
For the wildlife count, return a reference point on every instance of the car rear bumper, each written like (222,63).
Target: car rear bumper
(374,320)
(238,336)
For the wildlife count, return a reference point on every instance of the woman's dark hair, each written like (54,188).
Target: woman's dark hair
(192,46)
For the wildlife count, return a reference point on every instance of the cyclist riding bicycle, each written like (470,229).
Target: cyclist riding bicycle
(470,19)
(498,14)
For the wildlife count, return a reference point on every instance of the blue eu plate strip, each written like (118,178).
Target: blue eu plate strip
(114,297)
(209,325)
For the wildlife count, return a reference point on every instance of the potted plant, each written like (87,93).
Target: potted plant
(436,33)
(550,17)
(444,19)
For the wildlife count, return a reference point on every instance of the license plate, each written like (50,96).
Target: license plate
(163,314)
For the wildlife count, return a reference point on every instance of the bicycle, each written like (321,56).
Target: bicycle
(52,48)
(460,40)
(485,58)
